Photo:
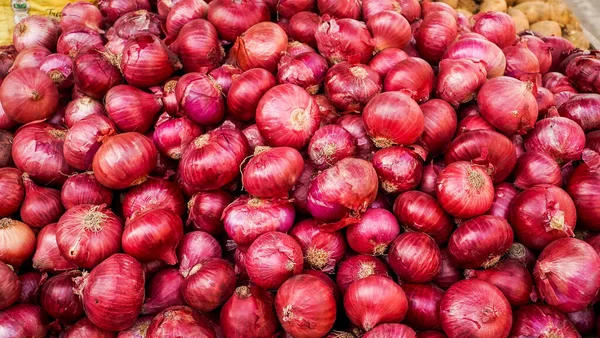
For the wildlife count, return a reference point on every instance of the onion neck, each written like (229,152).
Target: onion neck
(491,262)
(359,72)
(243,292)
(517,251)
(5,223)
(380,249)
(317,258)
(366,270)
(93,220)
(476,180)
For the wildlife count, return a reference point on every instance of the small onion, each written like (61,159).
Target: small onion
(81,14)
(545,100)
(349,87)
(322,250)
(558,137)
(557,83)
(58,298)
(479,50)
(232,18)
(273,172)
(459,80)
(195,248)
(180,321)
(200,99)
(584,320)
(17,242)
(35,30)
(306,70)
(374,232)
(399,169)
(504,194)
(436,32)
(300,190)
(357,267)
(85,138)
(537,168)
(246,91)
(76,39)
(11,183)
(261,46)
(539,320)
(209,284)
(31,283)
(353,123)
(440,125)
(32,57)
(272,259)
(80,108)
(47,256)
(344,40)
(415,257)
(385,60)
(96,71)
(249,311)
(449,272)
(412,76)
(521,63)
(303,26)
(510,277)
(330,144)
(497,27)
(205,210)
(9,285)
(423,306)
(132,109)
(340,9)
(418,211)
(198,47)
(542,51)
(163,291)
(41,205)
(153,194)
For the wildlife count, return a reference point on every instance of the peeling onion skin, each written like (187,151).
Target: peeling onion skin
(399,169)
(180,321)
(323,249)
(341,40)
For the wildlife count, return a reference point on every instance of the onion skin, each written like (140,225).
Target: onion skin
(497,27)
(31,283)
(542,214)
(232,18)
(85,138)
(510,277)
(423,306)
(96,71)
(410,9)
(85,328)
(198,47)
(558,137)
(349,87)
(306,70)
(80,108)
(47,257)
(374,232)
(459,80)
(183,12)
(180,321)
(357,267)
(579,69)
(41,205)
(584,320)
(136,22)
(504,194)
(418,211)
(11,183)
(32,57)
(24,320)
(535,168)
(205,210)
(541,320)
(139,329)
(342,40)
(113,9)
(322,249)
(389,30)
(272,259)
(429,177)
(200,99)
(115,170)
(393,118)
(412,76)
(113,293)
(272,173)
(521,63)
(439,125)
(10,286)
(17,242)
(475,308)
(261,46)
(249,311)
(582,108)
(28,94)
(415,257)
(246,91)
(132,109)
(353,123)
(153,194)
(385,60)
(436,32)
(195,248)
(399,169)
(84,189)
(479,50)
(35,30)
(449,272)
(329,145)
(303,26)
(583,187)
(58,298)
(562,262)
(373,300)
(163,291)
(224,75)
(209,284)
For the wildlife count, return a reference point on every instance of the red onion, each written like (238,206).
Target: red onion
(410,9)
(24,320)
(31,57)
(119,275)
(80,108)
(330,200)
(47,255)
(323,250)
(385,60)
(198,47)
(180,321)
(390,330)
(281,167)
(73,41)
(134,23)
(374,232)
(449,272)
(393,118)
(412,76)
(6,122)
(10,286)
(436,32)
(41,205)
(288,116)
(59,300)
(209,284)
(497,27)
(60,69)
(31,283)
(85,328)
(474,122)
(373,300)
(418,211)
(249,311)
(35,30)
(557,83)
(583,187)
(423,306)
(459,80)
(582,108)
(132,109)
(114,9)
(558,137)
(96,71)
(287,8)
(508,104)
(510,277)
(224,76)
(85,138)
(249,217)
(567,261)
(542,214)
(84,189)
(350,87)
(260,46)
(205,210)
(28,94)
(81,14)
(183,12)
(357,267)
(330,144)
(300,190)
(389,30)
(272,259)
(306,70)
(583,320)
(520,253)
(579,71)
(154,194)
(200,99)
(139,329)
(195,248)
(521,63)
(11,183)
(560,48)
(464,190)
(246,91)
(399,169)
(542,50)
(537,168)
(545,100)
(475,308)
(353,124)
(303,26)
(415,257)
(479,50)
(344,40)
(212,160)
(541,320)
(164,290)
(593,141)
(232,18)
(504,194)
(173,136)
(440,125)
(7,58)
(340,9)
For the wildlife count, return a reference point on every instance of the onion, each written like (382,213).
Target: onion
(280,167)
(73,41)
(205,210)
(32,57)
(85,138)
(180,321)
(164,290)
(306,70)
(537,168)
(464,190)
(540,320)
(154,194)
(134,23)
(305,306)
(200,99)
(497,27)
(224,76)
(560,48)
(195,248)
(85,328)
(303,26)
(119,275)
(35,30)
(58,299)
(583,187)
(410,9)
(510,277)
(504,194)
(354,124)
(385,60)
(132,109)
(287,116)
(209,284)
(173,136)
(420,212)
(340,9)
(6,123)
(84,189)
(330,144)
(440,125)
(475,308)
(260,46)
(80,108)
(415,257)
(542,214)
(114,9)
(390,330)
(373,300)
(60,69)
(487,148)
(436,32)
(246,91)
(558,137)
(286,9)
(28,94)
(47,256)
(357,267)
(330,200)
(459,80)
(198,47)
(81,14)
(344,40)
(560,264)
(399,169)
(449,272)
(139,329)
(24,320)
(17,242)
(31,282)
(322,250)
(521,254)
(87,234)
(521,63)
(545,100)
(582,108)
(412,76)
(10,286)
(557,83)
(374,232)
(423,306)
(350,87)
(273,258)
(232,18)
(479,50)
(212,160)
(249,217)
(389,30)
(429,177)
(249,311)
(96,71)
(183,12)
(393,118)
(41,205)
(542,51)
(579,69)
(300,190)
(11,183)
(583,320)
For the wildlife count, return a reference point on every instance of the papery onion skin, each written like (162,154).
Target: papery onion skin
(558,137)
(272,173)
(152,195)
(17,242)
(224,75)
(353,123)
(459,80)
(80,108)
(85,138)
(58,298)
(273,258)
(11,183)
(385,60)
(418,211)
(542,214)
(349,87)
(412,76)
(374,232)
(116,171)
(439,125)
(464,190)
(322,249)
(541,320)
(249,311)
(84,189)
(246,91)
(198,47)
(303,26)
(479,50)
(205,210)
(497,27)
(10,286)
(60,69)
(475,308)
(344,40)
(114,292)
(357,267)
(88,234)
(132,109)
(423,306)
(195,248)
(436,32)
(306,70)
(113,9)
(582,108)
(137,22)
(24,320)
(41,205)
(209,284)
(261,46)
(200,99)
(96,71)
(393,118)
(287,116)
(329,145)
(47,256)
(504,194)
(510,277)
(163,291)
(232,18)
(35,30)
(389,30)
(399,169)
(71,42)
(537,168)
(373,300)
(415,257)
(180,321)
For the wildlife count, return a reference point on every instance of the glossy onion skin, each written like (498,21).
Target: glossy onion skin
(541,320)
(419,211)
(415,257)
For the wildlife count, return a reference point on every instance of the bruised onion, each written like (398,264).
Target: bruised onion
(423,306)
(357,267)
(85,138)
(195,248)
(152,195)
(96,71)
(322,249)
(41,205)
(435,33)
(538,320)
(272,172)
(417,211)
(273,258)
(415,257)
(47,256)
(58,298)
(163,291)
(131,109)
(558,137)
(232,18)
(537,168)
(497,27)
(209,284)
(479,50)
(261,46)
(306,70)
(459,80)
(205,210)
(246,91)
(84,188)
(11,182)
(342,40)
(198,47)
(249,311)
(349,87)
(412,76)
(510,277)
